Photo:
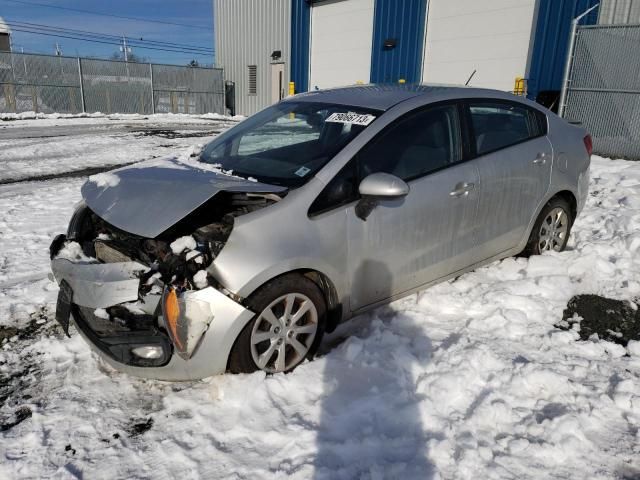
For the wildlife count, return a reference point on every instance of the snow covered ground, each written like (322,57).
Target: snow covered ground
(468,379)
(54,144)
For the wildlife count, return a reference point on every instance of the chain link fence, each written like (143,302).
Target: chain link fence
(39,83)
(603,88)
(116,87)
(187,90)
(49,84)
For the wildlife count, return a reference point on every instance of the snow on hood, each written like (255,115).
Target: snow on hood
(148,198)
(105,179)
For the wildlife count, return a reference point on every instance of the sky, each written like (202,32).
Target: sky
(195,13)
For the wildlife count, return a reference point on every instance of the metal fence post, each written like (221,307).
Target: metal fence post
(153,99)
(569,61)
(34,98)
(567,69)
(84,108)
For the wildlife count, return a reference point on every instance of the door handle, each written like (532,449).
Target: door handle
(462,189)
(540,159)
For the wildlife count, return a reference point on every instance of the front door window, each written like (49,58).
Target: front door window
(416,145)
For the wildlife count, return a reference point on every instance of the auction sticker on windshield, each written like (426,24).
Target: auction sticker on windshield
(350,117)
(302,171)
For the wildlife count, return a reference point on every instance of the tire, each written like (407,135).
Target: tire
(548,234)
(280,332)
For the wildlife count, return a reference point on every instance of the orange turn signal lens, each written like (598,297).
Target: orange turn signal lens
(172,314)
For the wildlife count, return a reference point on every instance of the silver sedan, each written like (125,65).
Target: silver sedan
(306,214)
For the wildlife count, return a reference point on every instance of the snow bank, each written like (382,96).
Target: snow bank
(170,117)
(41,116)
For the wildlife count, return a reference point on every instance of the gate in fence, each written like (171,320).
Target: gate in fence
(48,84)
(603,88)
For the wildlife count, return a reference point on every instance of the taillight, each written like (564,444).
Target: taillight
(588,144)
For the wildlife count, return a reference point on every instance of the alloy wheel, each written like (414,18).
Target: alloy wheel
(554,230)
(284,332)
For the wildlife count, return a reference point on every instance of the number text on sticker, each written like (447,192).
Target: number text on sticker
(350,117)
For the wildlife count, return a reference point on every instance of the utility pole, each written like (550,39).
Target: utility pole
(59,54)
(125,49)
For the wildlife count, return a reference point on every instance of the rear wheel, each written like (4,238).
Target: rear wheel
(286,330)
(552,228)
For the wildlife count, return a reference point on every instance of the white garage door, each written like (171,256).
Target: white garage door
(341,34)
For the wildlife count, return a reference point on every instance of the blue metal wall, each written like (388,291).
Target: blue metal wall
(402,21)
(300,37)
(552,41)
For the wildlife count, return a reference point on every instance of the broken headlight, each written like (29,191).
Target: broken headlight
(187,315)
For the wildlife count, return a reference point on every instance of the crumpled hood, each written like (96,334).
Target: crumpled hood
(148,198)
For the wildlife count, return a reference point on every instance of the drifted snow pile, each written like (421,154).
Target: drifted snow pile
(466,380)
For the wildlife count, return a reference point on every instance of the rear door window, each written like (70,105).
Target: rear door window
(501,124)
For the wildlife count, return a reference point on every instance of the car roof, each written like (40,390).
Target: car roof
(385,96)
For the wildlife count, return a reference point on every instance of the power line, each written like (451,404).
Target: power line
(138,19)
(166,49)
(105,36)
(101,35)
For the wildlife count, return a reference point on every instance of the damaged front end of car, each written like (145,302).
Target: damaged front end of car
(147,302)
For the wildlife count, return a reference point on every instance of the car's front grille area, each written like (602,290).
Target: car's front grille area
(119,322)
(117,336)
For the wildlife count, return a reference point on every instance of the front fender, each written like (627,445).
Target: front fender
(279,239)
(261,277)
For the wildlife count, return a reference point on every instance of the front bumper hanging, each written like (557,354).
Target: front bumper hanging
(212,319)
(99,285)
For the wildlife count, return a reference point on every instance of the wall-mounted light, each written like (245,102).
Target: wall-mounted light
(276,55)
(389,44)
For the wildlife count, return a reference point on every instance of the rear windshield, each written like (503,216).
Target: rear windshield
(287,143)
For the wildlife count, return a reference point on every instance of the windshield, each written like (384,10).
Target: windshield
(287,143)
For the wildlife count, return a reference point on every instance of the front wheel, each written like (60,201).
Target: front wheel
(287,330)
(552,228)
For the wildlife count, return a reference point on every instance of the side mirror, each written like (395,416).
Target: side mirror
(376,186)
(383,185)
